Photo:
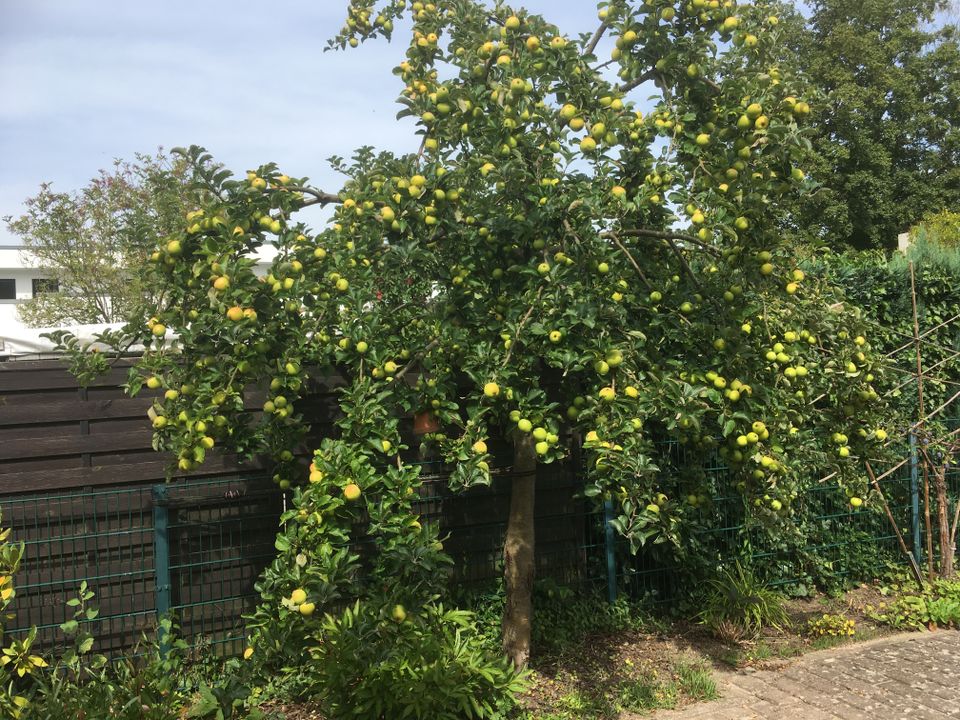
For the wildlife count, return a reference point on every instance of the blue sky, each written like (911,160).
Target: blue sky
(83,83)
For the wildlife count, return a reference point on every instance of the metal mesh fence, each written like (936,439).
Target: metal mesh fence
(196,548)
(104,537)
(831,543)
(220,536)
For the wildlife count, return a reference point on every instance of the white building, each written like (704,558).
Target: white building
(21,279)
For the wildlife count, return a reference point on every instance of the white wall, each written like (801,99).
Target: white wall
(8,318)
(18,265)
(13,265)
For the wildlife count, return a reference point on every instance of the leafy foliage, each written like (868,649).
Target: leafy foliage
(84,684)
(16,659)
(886,139)
(381,645)
(430,664)
(737,607)
(564,616)
(832,626)
(225,700)
(882,287)
(937,605)
(92,243)
(942,228)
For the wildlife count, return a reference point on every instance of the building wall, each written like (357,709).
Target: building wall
(21,267)
(13,265)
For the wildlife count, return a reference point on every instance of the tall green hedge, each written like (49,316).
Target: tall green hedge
(882,287)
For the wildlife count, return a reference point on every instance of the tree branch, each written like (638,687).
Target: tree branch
(416,358)
(625,251)
(320,198)
(637,81)
(713,86)
(595,40)
(523,321)
(686,265)
(665,235)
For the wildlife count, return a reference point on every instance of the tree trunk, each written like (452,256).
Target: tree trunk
(518,558)
(946,545)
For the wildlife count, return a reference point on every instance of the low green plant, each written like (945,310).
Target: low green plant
(757,652)
(226,700)
(688,681)
(426,662)
(696,682)
(737,606)
(828,625)
(647,692)
(937,605)
(17,660)
(147,685)
(578,704)
(563,616)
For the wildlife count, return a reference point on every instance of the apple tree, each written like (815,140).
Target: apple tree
(557,266)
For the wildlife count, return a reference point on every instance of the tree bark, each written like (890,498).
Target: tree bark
(518,557)
(946,546)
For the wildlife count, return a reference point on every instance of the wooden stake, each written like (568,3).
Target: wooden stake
(893,523)
(926,474)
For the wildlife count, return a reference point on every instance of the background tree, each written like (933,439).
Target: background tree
(886,136)
(93,242)
(554,270)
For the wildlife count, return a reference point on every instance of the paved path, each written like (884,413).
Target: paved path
(910,677)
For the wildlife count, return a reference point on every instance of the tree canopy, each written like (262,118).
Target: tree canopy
(93,242)
(886,136)
(555,269)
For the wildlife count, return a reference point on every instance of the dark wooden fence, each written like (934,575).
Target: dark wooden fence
(81,486)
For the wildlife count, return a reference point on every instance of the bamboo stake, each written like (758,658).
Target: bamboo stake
(926,474)
(940,485)
(893,523)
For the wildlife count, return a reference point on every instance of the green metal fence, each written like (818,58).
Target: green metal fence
(193,549)
(837,543)
(196,548)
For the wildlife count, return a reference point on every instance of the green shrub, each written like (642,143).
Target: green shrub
(356,582)
(562,616)
(428,663)
(17,661)
(737,606)
(942,228)
(831,626)
(937,605)
(226,699)
(146,685)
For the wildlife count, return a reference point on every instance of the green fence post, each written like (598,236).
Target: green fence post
(915,500)
(161,558)
(610,540)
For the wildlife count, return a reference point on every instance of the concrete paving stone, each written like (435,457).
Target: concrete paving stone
(911,698)
(815,693)
(912,676)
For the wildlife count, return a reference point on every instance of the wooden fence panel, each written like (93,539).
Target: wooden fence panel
(77,475)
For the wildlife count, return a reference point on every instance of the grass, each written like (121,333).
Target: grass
(635,690)
(696,682)
(689,681)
